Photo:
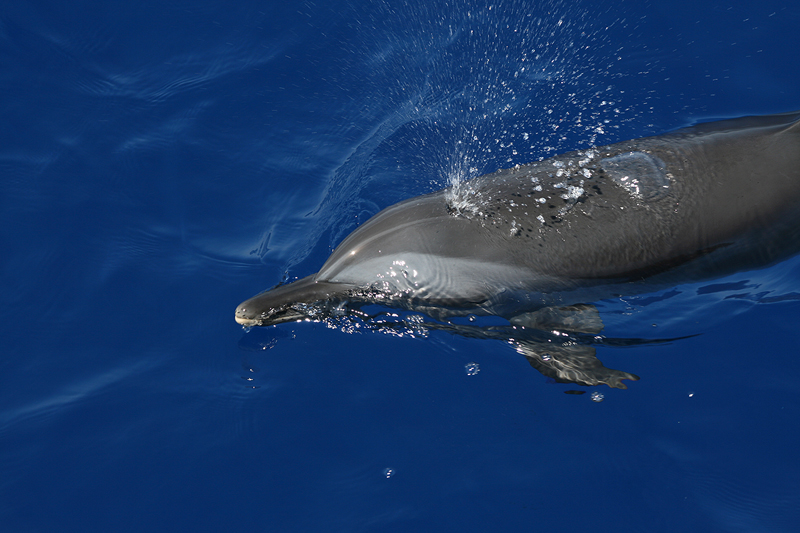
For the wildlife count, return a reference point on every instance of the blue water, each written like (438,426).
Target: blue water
(162,161)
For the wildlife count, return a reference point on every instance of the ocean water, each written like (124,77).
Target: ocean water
(162,161)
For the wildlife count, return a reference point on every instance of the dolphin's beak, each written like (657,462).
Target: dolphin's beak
(293,301)
(246,317)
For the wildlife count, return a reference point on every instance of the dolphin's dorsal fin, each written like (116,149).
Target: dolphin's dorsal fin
(580,318)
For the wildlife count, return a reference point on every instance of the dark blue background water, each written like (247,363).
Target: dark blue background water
(162,161)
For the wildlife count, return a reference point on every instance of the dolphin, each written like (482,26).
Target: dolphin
(534,243)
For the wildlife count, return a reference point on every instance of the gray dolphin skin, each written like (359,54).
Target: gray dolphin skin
(533,243)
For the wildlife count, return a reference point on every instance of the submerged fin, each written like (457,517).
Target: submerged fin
(571,363)
(580,318)
(564,360)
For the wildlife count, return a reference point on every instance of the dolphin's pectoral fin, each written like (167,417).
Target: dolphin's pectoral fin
(572,363)
(580,318)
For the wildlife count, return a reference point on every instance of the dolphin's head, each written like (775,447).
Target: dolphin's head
(413,251)
(304,299)
(369,255)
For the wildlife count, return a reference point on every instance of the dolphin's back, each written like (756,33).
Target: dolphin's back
(700,189)
(740,189)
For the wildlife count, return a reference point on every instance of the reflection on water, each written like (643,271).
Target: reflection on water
(561,349)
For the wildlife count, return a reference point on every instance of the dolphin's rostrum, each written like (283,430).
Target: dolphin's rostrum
(536,242)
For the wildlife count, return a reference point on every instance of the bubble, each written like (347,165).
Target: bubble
(415,319)
(546,357)
(573,193)
(597,396)
(472,368)
(388,472)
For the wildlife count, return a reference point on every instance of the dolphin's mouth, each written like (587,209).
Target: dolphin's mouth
(252,318)
(303,299)
(247,322)
(256,312)
(247,318)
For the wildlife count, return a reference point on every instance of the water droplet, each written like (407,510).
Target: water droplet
(472,368)
(388,472)
(597,396)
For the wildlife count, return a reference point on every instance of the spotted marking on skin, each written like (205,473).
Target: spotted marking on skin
(557,187)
